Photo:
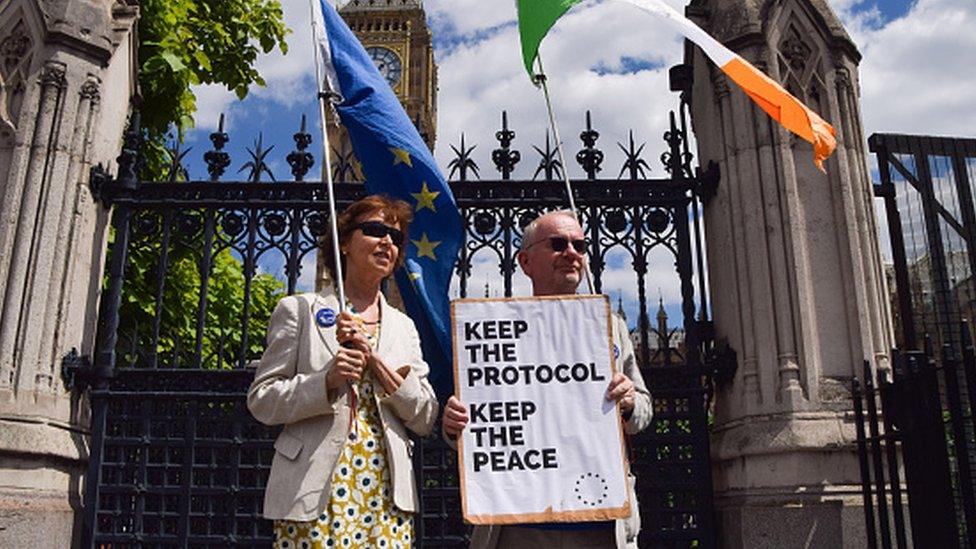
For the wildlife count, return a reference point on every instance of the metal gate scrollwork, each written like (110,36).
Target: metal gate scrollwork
(176,459)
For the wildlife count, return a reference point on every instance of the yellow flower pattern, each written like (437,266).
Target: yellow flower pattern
(361,512)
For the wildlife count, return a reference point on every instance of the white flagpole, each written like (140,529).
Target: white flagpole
(541,79)
(324,96)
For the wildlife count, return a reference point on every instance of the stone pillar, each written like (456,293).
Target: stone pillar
(66,76)
(796,276)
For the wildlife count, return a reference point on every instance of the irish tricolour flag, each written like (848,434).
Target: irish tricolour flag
(536,17)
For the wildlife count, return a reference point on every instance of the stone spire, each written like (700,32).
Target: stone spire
(620,307)
(662,319)
(796,277)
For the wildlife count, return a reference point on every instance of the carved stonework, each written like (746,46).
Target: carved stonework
(89,90)
(16,52)
(7,126)
(800,60)
(720,85)
(796,51)
(14,48)
(843,78)
(53,75)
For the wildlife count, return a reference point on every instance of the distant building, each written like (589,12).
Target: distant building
(957,306)
(665,345)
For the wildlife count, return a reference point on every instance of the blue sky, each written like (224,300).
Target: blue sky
(893,9)
(915,77)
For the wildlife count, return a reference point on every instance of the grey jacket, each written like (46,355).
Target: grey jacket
(289,389)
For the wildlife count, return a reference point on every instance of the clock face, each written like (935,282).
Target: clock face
(388,63)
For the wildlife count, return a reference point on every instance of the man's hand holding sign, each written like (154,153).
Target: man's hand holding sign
(539,382)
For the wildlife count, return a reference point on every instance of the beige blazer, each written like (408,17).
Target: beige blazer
(625,530)
(289,389)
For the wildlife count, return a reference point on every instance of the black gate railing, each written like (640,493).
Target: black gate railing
(176,460)
(919,446)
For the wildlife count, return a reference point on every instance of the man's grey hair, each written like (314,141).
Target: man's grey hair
(528,234)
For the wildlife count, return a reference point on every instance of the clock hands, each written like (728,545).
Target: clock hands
(387,63)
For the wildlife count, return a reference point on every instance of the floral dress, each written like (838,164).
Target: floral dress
(361,512)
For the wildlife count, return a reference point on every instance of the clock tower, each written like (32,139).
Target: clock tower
(396,36)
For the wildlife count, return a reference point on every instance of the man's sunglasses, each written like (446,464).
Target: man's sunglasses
(376,229)
(559,244)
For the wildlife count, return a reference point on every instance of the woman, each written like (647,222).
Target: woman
(346,387)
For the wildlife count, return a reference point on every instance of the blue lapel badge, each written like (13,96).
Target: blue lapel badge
(325,318)
(616,351)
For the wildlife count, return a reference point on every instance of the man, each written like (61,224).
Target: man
(552,256)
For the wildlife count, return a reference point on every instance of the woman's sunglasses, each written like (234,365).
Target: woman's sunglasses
(559,244)
(376,229)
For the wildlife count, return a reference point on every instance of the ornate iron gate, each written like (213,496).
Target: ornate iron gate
(927,409)
(176,459)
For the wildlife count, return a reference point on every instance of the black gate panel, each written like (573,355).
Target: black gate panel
(176,458)
(927,409)
(183,463)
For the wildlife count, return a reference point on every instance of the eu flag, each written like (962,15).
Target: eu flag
(396,161)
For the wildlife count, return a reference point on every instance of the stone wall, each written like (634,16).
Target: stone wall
(66,78)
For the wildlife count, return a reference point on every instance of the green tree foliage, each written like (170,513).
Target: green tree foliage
(183,43)
(223,332)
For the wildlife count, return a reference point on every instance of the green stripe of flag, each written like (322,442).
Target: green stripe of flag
(536,17)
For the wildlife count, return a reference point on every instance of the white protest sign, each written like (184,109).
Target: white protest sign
(543,444)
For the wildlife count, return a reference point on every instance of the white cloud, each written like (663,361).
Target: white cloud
(466,18)
(291,74)
(306,279)
(481,79)
(916,73)
(212,100)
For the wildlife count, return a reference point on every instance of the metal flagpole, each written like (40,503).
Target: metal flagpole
(541,79)
(325,96)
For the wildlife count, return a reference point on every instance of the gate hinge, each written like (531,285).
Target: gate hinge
(98,181)
(76,370)
(706,182)
(721,362)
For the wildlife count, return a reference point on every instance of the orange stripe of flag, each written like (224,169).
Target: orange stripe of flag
(784,108)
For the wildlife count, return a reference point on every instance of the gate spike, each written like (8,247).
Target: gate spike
(299,159)
(217,159)
(504,157)
(463,162)
(590,158)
